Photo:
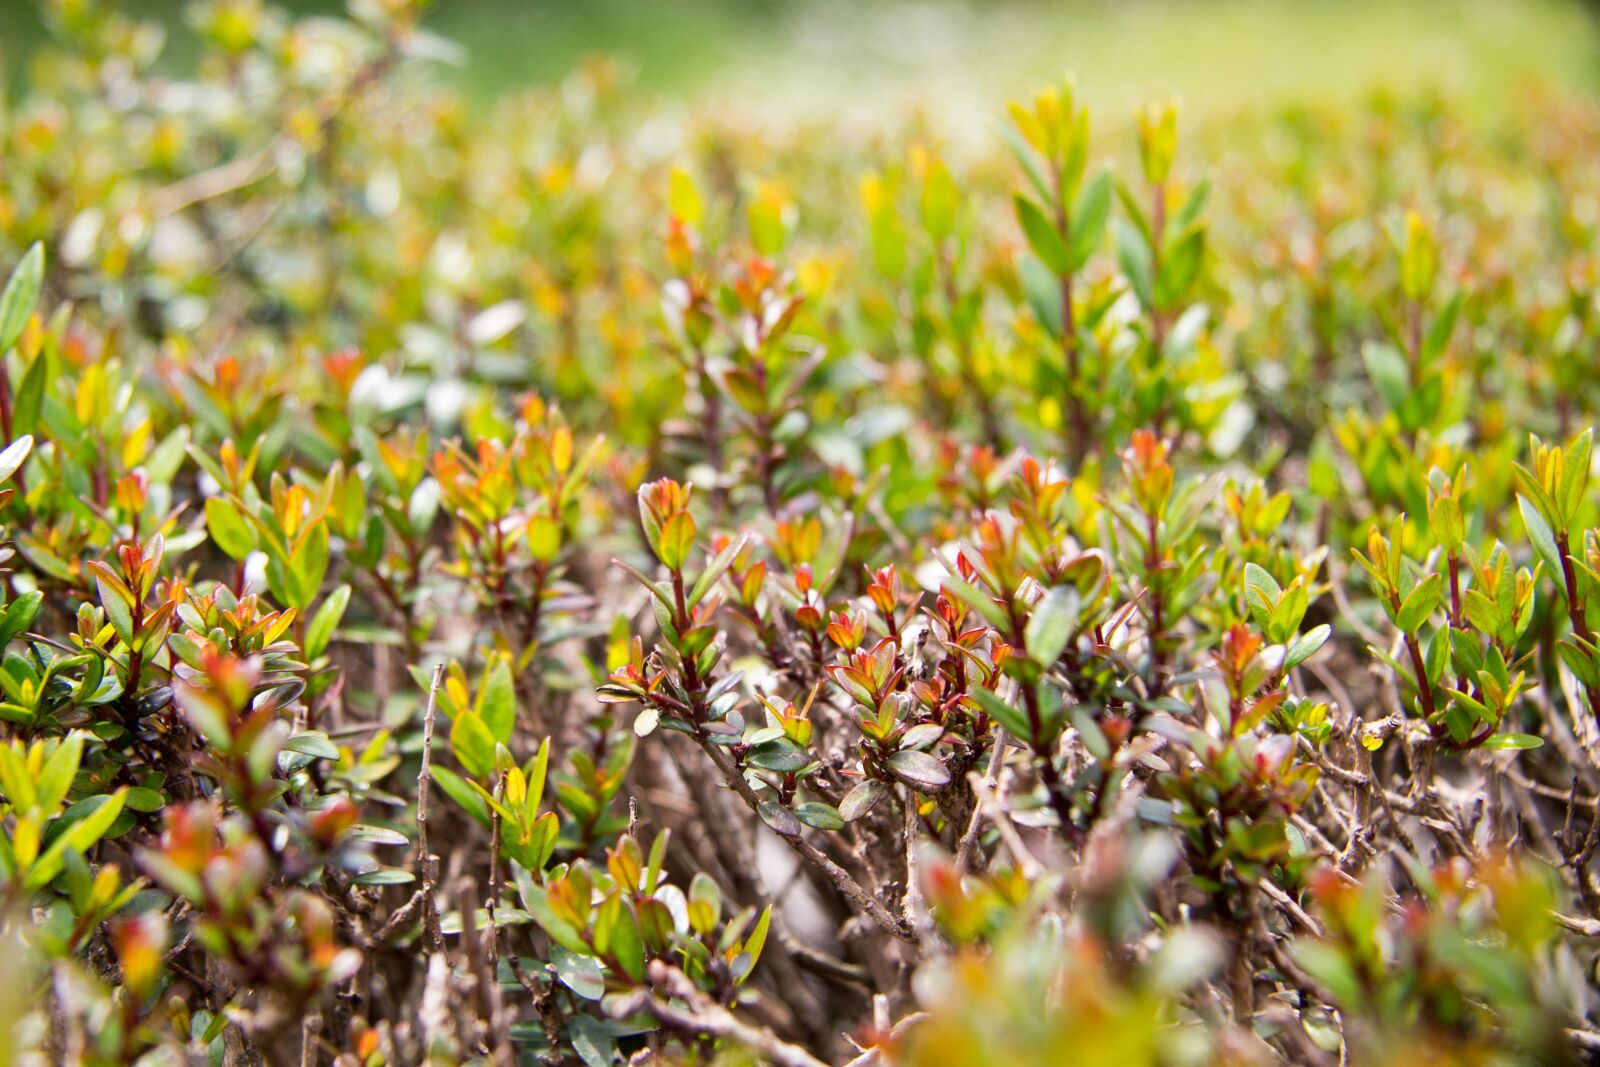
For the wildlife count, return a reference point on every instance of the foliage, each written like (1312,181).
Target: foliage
(493,589)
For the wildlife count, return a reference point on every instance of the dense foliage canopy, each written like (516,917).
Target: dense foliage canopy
(546,583)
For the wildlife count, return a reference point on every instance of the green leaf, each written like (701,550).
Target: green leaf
(652,864)
(493,802)
(924,736)
(1389,371)
(819,816)
(326,621)
(537,900)
(919,770)
(228,529)
(16,713)
(312,743)
(595,1045)
(473,744)
(1444,324)
(118,611)
(677,540)
(55,776)
(536,771)
(978,601)
(757,941)
(1331,969)
(780,818)
(1286,617)
(30,397)
(1257,579)
(497,701)
(20,297)
(1306,646)
(366,833)
(100,812)
(1094,738)
(862,799)
(1180,267)
(1186,215)
(1042,236)
(1528,485)
(143,799)
(579,973)
(1417,607)
(1028,159)
(1013,719)
(19,615)
(658,589)
(1542,537)
(1043,292)
(1133,256)
(1052,624)
(459,790)
(781,755)
(715,569)
(309,564)
(1503,741)
(1575,475)
(1089,216)
(704,889)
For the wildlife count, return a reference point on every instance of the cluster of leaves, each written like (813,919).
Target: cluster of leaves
(1044,611)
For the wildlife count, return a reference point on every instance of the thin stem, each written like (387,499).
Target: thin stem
(428,863)
(1076,416)
(1576,612)
(702,1015)
(969,840)
(993,432)
(1044,758)
(853,890)
(1424,688)
(491,934)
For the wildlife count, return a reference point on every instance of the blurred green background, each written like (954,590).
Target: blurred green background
(801,56)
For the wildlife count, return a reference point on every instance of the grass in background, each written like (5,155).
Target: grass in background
(861,56)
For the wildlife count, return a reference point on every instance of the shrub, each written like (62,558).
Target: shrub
(485,588)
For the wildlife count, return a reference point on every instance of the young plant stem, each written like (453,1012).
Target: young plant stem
(1158,607)
(993,432)
(1576,612)
(1420,669)
(1075,419)
(1158,236)
(711,428)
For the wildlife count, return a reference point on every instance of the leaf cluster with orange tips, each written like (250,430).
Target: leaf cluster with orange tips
(473,591)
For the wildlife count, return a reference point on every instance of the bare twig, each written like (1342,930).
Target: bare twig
(428,862)
(1290,906)
(969,839)
(491,935)
(1585,1039)
(912,905)
(885,1035)
(702,1015)
(1573,924)
(853,890)
(992,801)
